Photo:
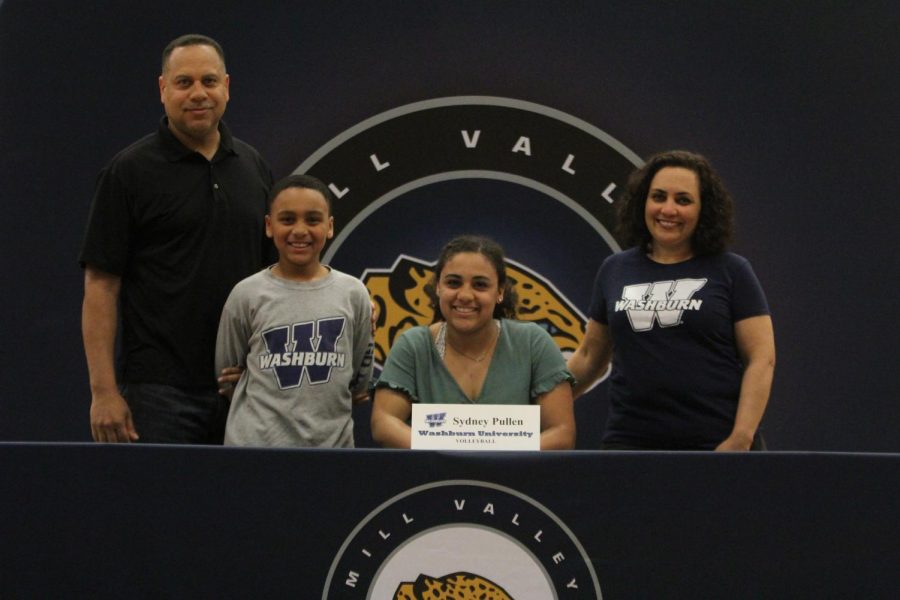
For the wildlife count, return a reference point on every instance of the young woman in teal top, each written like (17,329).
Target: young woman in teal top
(476,352)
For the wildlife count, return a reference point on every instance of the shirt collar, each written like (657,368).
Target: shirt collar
(175,150)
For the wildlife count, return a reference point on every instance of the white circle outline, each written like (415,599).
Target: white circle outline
(433,103)
(461,482)
(467,174)
(524,105)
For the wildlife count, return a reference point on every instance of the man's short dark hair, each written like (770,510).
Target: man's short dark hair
(191,39)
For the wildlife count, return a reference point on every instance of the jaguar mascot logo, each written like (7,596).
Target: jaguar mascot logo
(402,302)
(458,586)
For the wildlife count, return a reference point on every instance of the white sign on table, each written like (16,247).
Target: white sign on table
(476,427)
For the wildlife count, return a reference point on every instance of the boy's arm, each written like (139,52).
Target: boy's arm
(363,349)
(232,343)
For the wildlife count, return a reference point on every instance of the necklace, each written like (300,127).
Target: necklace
(442,342)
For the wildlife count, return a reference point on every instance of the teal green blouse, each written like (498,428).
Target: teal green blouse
(526,364)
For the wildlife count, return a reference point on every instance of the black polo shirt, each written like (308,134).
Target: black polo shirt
(180,230)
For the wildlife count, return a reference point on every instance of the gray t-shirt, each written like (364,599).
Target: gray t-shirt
(306,348)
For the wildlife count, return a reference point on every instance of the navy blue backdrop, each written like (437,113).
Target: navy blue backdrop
(796,103)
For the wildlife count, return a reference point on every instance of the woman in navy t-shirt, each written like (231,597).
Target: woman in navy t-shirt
(684,322)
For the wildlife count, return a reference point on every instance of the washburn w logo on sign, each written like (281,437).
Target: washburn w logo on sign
(461,539)
(541,182)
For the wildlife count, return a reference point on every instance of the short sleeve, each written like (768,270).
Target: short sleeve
(233,337)
(108,235)
(399,371)
(748,299)
(548,367)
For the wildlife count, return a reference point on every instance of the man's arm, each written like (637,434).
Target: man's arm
(110,415)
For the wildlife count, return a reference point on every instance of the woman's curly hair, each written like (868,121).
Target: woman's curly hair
(715,228)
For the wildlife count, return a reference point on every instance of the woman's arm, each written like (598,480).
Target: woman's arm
(592,357)
(755,340)
(390,412)
(557,418)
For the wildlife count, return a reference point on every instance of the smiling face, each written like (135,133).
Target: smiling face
(194,90)
(467,291)
(672,211)
(299,224)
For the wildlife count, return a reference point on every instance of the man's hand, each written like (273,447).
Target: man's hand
(228,378)
(111,419)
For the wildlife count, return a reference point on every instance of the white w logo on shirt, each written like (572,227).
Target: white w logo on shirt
(663,301)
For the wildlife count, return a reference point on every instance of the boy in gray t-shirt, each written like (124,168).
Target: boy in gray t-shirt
(301,331)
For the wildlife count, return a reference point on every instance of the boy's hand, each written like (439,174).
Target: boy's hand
(228,378)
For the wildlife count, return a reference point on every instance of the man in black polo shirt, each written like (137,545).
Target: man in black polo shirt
(177,219)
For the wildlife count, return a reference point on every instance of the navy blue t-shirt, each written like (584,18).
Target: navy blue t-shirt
(676,372)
